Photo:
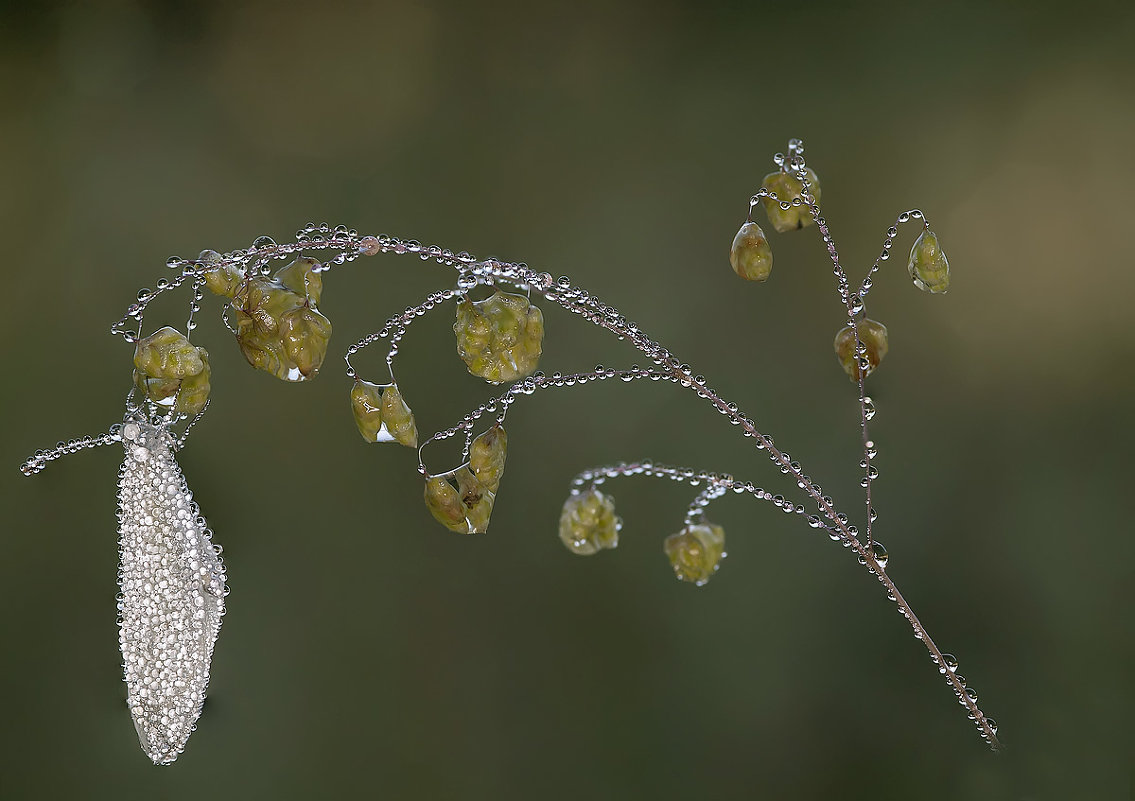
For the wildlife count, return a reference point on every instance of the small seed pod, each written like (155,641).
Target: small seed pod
(873,337)
(381,415)
(465,508)
(751,255)
(223,281)
(167,353)
(928,266)
(486,456)
(302,277)
(194,390)
(696,552)
(305,334)
(787,187)
(588,523)
(499,338)
(171,371)
(397,418)
(279,328)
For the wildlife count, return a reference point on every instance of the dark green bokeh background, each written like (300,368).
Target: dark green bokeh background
(368,652)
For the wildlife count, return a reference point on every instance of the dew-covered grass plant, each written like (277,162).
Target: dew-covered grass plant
(173,582)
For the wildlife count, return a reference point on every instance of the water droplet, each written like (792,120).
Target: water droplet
(263,242)
(950,663)
(868,408)
(972,693)
(880,553)
(991,723)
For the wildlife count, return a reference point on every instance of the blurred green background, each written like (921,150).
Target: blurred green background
(370,653)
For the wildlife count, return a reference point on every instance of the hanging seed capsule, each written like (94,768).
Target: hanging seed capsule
(696,552)
(499,338)
(194,390)
(397,418)
(159,390)
(220,280)
(381,415)
(301,277)
(588,523)
(928,266)
(478,500)
(171,371)
(281,331)
(444,503)
(751,255)
(465,508)
(486,456)
(167,353)
(265,352)
(366,406)
(788,187)
(305,334)
(873,336)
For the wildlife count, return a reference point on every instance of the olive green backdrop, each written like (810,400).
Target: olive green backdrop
(370,653)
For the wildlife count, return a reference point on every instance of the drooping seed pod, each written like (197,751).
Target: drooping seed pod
(486,456)
(499,338)
(304,277)
(305,334)
(382,415)
(171,371)
(696,552)
(167,353)
(466,509)
(172,593)
(751,256)
(588,523)
(872,335)
(787,188)
(194,390)
(397,418)
(928,266)
(279,328)
(444,503)
(220,280)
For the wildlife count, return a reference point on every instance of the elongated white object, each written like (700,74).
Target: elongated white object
(173,593)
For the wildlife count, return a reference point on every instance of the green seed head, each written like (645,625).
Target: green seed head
(465,508)
(788,187)
(696,552)
(486,456)
(194,391)
(382,415)
(751,255)
(170,370)
(928,266)
(588,523)
(499,338)
(305,333)
(301,277)
(444,503)
(167,353)
(280,331)
(397,418)
(219,280)
(873,337)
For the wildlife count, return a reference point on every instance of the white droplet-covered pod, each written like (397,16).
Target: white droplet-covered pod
(173,593)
